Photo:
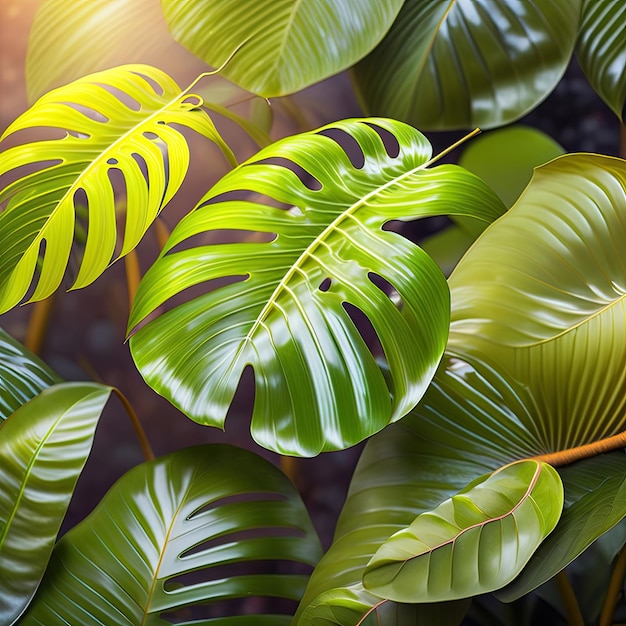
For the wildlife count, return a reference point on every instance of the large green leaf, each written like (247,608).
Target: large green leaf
(601,51)
(596,501)
(22,375)
(43,448)
(287,44)
(463,63)
(540,296)
(473,543)
(71,38)
(285,307)
(121,120)
(196,510)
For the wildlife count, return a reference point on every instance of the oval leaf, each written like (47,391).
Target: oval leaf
(121,120)
(287,45)
(286,311)
(465,63)
(43,448)
(22,375)
(473,543)
(196,510)
(71,38)
(601,51)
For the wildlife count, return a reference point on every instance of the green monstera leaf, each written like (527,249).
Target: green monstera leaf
(43,448)
(449,64)
(284,302)
(122,120)
(601,51)
(22,375)
(287,44)
(164,537)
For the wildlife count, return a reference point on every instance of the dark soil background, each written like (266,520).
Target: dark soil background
(86,329)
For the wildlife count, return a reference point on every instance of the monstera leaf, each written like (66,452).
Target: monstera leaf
(601,50)
(283,301)
(463,63)
(164,537)
(287,45)
(22,375)
(541,297)
(43,448)
(71,38)
(121,120)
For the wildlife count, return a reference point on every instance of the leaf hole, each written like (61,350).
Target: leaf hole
(112,161)
(77,135)
(240,195)
(118,184)
(17,173)
(261,496)
(387,288)
(81,228)
(222,236)
(392,147)
(149,135)
(307,179)
(366,330)
(325,285)
(348,143)
(88,112)
(122,96)
(154,85)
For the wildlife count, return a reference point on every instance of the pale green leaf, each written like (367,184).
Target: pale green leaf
(281,46)
(71,38)
(283,310)
(22,375)
(200,510)
(473,543)
(43,448)
(120,120)
(449,64)
(601,51)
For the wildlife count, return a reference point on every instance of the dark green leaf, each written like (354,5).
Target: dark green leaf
(43,448)
(198,510)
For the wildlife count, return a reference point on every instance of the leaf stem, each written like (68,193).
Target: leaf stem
(565,457)
(133,275)
(370,611)
(38,324)
(146,448)
(162,232)
(574,616)
(449,149)
(614,588)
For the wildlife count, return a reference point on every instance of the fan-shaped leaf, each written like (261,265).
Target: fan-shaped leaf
(43,448)
(318,384)
(22,375)
(71,38)
(465,63)
(196,510)
(123,120)
(601,51)
(287,44)
(540,296)
(473,543)
(596,501)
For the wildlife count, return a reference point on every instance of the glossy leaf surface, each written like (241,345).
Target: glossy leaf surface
(541,297)
(122,120)
(22,375)
(197,510)
(71,38)
(473,543)
(286,309)
(282,45)
(601,51)
(43,448)
(449,64)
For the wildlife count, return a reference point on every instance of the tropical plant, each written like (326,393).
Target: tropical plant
(493,401)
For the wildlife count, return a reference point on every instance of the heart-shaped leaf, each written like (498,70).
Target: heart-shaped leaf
(22,375)
(287,305)
(475,542)
(120,120)
(601,51)
(162,541)
(43,448)
(463,63)
(287,45)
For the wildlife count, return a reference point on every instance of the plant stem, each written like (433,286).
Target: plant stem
(146,448)
(449,149)
(289,468)
(614,589)
(162,232)
(38,324)
(574,616)
(565,457)
(133,275)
